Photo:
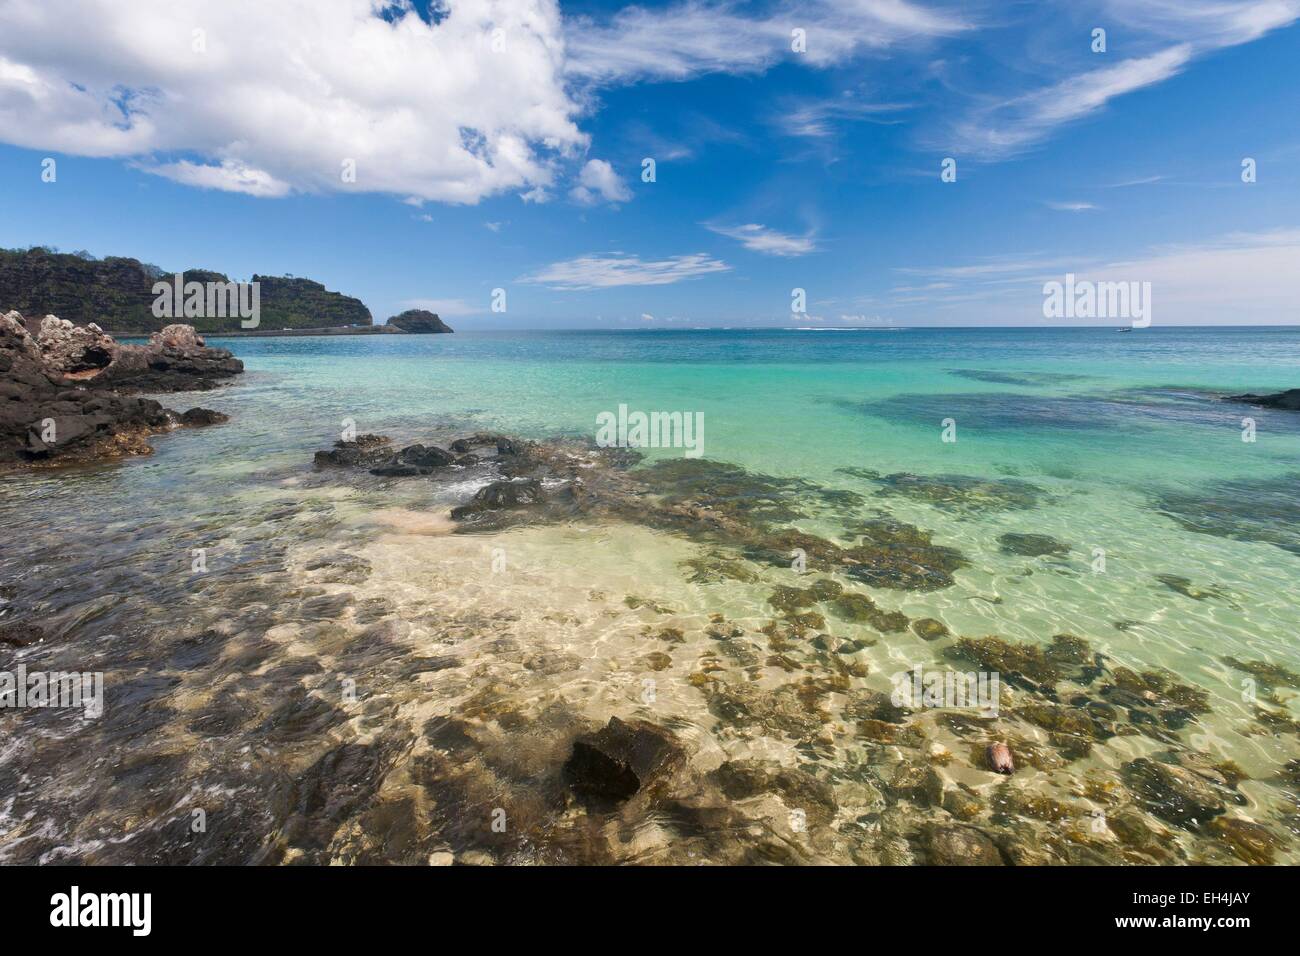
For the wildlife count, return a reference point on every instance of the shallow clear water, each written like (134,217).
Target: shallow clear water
(224,686)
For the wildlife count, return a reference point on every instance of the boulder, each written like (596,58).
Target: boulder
(74,351)
(621,759)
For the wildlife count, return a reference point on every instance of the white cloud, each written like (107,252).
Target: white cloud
(230,175)
(604,272)
(283,93)
(817,119)
(1071,206)
(1016,124)
(599,181)
(759,238)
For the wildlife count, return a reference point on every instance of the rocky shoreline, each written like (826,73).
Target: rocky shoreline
(69,393)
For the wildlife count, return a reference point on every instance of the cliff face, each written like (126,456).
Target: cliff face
(117,294)
(419,320)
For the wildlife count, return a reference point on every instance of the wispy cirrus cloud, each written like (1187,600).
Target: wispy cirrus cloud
(693,38)
(617,269)
(770,242)
(1071,206)
(1170,33)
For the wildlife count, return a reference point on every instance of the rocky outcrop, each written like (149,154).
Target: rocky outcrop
(59,397)
(1288,400)
(419,320)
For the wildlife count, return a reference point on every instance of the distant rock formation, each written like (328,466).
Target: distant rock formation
(1288,400)
(63,390)
(419,320)
(117,293)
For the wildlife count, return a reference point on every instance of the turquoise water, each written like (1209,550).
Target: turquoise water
(1131,460)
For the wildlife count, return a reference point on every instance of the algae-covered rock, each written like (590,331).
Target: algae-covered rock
(1173,793)
(1251,842)
(930,629)
(955,845)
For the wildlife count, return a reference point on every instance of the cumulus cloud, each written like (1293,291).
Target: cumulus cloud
(759,238)
(263,98)
(604,272)
(599,181)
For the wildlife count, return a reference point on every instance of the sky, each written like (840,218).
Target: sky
(419,154)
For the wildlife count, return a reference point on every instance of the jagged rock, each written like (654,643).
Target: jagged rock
(74,351)
(415,460)
(177,337)
(56,405)
(620,759)
(365,450)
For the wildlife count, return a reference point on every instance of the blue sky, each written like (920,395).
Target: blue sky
(214,135)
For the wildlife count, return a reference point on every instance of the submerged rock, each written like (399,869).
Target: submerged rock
(1031,545)
(621,759)
(955,845)
(1288,400)
(1173,793)
(964,493)
(930,629)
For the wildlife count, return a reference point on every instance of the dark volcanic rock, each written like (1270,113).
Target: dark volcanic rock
(620,759)
(501,495)
(197,417)
(1288,400)
(414,460)
(175,360)
(366,450)
(418,320)
(59,407)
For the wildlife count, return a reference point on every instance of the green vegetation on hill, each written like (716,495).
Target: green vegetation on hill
(117,294)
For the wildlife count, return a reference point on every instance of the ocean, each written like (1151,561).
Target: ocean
(326,668)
